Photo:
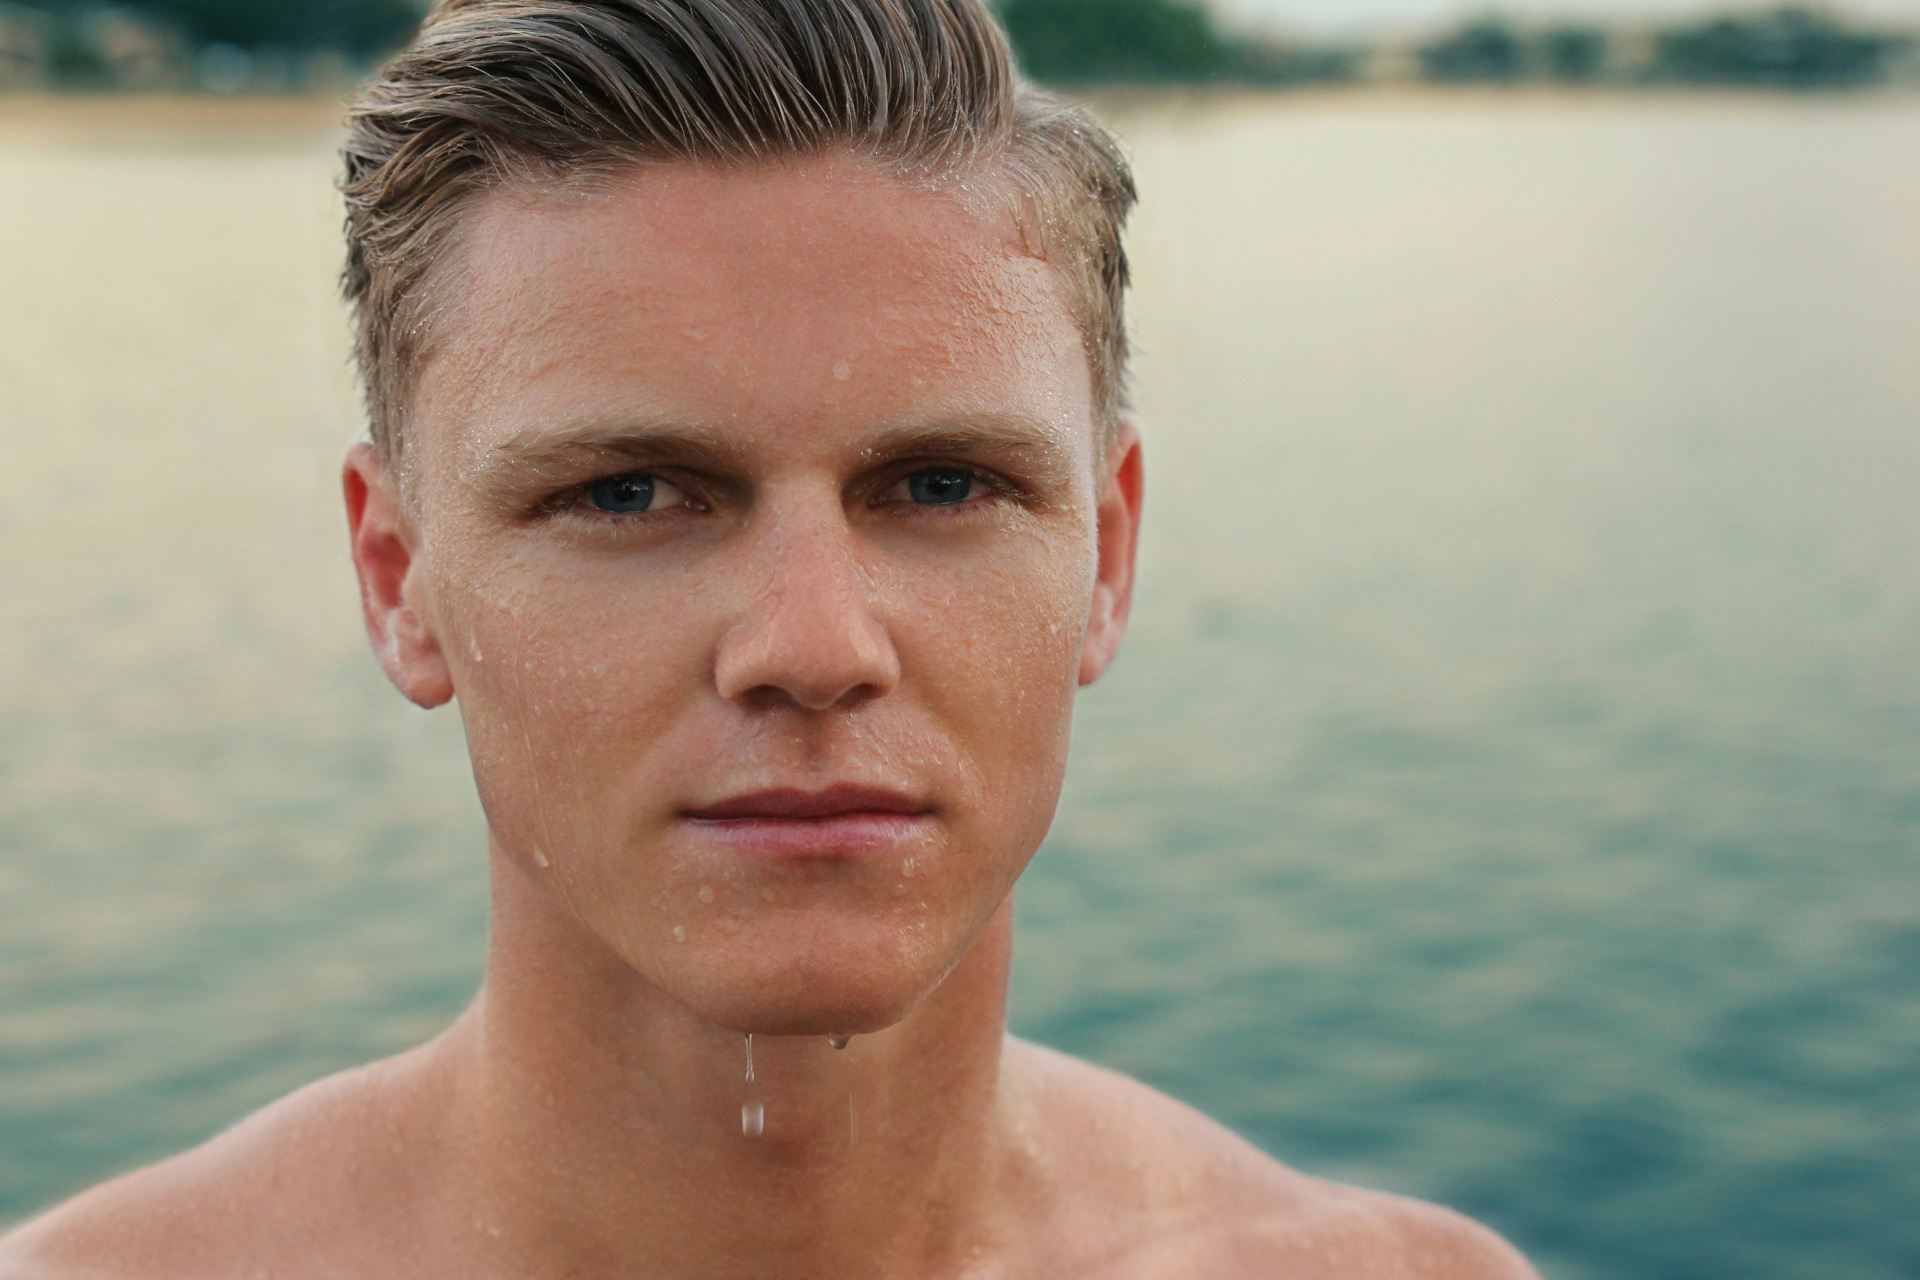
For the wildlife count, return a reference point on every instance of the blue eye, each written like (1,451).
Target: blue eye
(624,495)
(939,487)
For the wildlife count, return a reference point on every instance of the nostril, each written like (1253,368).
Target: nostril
(796,696)
(810,668)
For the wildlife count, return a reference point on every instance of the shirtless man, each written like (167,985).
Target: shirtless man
(749,459)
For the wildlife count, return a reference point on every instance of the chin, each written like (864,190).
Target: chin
(808,973)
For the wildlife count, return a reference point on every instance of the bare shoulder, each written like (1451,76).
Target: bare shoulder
(1154,1190)
(275,1186)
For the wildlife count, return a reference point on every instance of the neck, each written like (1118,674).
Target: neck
(605,1126)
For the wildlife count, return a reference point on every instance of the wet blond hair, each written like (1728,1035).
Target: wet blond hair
(493,92)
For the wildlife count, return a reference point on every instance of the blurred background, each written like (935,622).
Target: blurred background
(1510,793)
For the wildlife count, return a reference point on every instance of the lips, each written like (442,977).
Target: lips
(837,822)
(793,805)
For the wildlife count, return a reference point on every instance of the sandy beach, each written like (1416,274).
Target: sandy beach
(81,117)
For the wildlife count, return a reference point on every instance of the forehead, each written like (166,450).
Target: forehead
(810,298)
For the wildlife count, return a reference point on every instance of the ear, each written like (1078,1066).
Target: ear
(384,543)
(1122,492)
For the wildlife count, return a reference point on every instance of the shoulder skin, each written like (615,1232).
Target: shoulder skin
(313,1176)
(1159,1192)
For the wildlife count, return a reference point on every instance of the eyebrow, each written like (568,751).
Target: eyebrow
(559,455)
(1016,439)
(540,455)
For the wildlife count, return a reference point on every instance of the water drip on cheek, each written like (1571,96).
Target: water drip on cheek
(749,1057)
(540,857)
(705,895)
(839,1042)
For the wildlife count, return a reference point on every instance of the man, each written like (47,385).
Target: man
(749,459)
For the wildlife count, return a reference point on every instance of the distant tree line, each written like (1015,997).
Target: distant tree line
(255,44)
(350,26)
(1787,48)
(1106,41)
(1075,42)
(216,44)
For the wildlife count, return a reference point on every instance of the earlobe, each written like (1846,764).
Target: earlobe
(1119,541)
(383,558)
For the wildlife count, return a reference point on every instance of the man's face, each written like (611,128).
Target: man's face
(754,517)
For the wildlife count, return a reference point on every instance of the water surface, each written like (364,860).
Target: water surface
(1510,793)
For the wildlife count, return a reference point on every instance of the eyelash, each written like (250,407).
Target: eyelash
(998,486)
(572,502)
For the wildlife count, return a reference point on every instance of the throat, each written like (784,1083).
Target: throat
(608,1128)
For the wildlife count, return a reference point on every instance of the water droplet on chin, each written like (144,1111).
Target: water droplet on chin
(679,934)
(706,893)
(540,858)
(842,370)
(753,1119)
(749,1057)
(839,1042)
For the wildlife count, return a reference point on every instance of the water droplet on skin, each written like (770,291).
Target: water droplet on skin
(839,1042)
(749,1057)
(706,893)
(911,870)
(540,858)
(679,934)
(842,370)
(899,891)
(753,1119)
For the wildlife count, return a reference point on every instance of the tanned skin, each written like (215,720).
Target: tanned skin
(763,749)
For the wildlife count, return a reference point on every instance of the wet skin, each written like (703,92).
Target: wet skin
(761,523)
(777,372)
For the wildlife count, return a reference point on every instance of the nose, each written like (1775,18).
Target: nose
(809,636)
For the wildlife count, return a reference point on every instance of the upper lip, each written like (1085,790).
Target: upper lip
(793,802)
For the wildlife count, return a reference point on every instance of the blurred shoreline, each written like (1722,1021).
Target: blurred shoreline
(57,117)
(1395,95)
(83,116)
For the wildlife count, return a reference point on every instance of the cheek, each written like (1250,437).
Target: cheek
(565,682)
(991,652)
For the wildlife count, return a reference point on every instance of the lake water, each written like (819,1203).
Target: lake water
(1510,793)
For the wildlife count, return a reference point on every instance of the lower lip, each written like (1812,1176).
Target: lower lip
(842,836)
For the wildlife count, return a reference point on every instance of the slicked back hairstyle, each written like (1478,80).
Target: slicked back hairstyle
(497,91)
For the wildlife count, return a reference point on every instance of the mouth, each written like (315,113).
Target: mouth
(839,822)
